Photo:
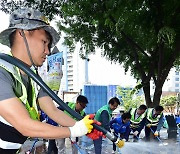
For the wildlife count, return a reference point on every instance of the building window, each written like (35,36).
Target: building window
(176,79)
(177,73)
(177,85)
(69,57)
(70,81)
(70,71)
(70,76)
(176,90)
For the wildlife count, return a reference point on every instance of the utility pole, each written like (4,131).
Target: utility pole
(86,70)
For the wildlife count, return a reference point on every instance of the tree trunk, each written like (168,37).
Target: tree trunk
(147,95)
(157,96)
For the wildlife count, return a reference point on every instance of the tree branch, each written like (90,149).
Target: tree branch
(134,44)
(143,75)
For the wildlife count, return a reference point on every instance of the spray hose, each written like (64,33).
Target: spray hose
(76,146)
(21,65)
(156,136)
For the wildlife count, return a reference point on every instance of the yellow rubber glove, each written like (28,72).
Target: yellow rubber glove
(120,143)
(156,134)
(82,127)
(88,122)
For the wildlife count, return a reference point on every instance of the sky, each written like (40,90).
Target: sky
(107,72)
(104,72)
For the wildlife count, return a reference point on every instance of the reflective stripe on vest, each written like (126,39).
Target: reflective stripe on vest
(16,74)
(135,122)
(9,145)
(151,120)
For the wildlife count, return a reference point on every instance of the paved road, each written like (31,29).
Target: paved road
(166,146)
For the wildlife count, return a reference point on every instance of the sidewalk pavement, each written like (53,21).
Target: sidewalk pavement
(166,146)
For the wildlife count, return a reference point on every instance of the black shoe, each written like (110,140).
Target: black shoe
(135,140)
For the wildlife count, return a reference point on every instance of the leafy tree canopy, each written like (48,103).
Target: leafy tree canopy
(142,35)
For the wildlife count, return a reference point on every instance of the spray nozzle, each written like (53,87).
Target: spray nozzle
(120,143)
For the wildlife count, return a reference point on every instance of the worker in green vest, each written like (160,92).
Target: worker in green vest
(79,106)
(137,121)
(154,122)
(30,38)
(104,115)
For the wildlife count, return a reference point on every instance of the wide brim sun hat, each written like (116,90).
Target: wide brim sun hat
(28,19)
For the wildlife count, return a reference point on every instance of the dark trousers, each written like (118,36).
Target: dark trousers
(98,145)
(8,151)
(52,149)
(114,145)
(148,131)
(135,138)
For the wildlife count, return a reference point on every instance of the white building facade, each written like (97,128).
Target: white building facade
(172,83)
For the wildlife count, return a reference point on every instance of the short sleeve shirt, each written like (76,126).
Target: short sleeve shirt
(7,86)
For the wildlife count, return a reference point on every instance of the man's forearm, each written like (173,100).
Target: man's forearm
(160,123)
(47,105)
(63,119)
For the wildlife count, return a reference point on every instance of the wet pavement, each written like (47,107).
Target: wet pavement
(165,146)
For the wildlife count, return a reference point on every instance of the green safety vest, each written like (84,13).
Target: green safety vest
(135,122)
(98,113)
(15,72)
(72,106)
(151,120)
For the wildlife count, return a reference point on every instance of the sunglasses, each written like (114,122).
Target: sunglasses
(83,105)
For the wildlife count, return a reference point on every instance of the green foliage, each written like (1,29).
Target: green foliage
(129,98)
(169,103)
(167,36)
(143,35)
(50,8)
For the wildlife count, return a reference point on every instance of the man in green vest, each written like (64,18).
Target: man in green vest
(30,38)
(104,115)
(154,121)
(79,106)
(137,121)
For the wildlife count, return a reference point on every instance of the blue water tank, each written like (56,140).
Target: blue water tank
(97,97)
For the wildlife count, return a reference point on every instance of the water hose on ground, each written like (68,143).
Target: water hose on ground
(76,146)
(156,136)
(30,151)
(21,65)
